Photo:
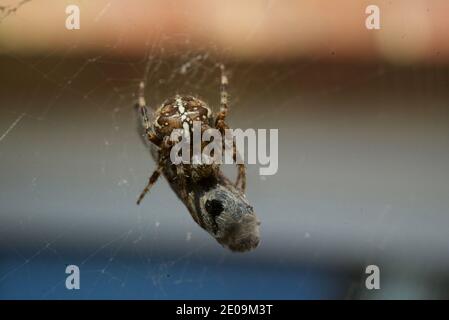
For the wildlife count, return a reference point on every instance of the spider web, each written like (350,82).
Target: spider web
(73,164)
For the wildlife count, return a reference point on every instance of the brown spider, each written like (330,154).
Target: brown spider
(217,205)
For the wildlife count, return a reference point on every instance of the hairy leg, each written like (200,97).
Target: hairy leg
(241,175)
(151,181)
(141,105)
(221,117)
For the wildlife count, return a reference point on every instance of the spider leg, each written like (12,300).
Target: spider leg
(141,105)
(221,117)
(163,154)
(241,175)
(181,175)
(220,123)
(151,181)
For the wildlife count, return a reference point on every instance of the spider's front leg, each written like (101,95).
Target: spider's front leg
(221,117)
(153,138)
(141,105)
(220,124)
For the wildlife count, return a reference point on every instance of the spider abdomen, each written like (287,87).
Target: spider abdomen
(179,112)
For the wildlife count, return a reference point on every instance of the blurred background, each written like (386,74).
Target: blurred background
(363,121)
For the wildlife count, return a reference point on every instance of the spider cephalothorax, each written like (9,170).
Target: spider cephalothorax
(217,205)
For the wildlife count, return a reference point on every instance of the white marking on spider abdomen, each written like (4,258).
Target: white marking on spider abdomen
(183,115)
(180,105)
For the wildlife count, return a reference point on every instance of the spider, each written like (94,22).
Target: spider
(214,202)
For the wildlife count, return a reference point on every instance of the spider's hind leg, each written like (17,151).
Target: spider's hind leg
(241,178)
(165,146)
(151,181)
(241,175)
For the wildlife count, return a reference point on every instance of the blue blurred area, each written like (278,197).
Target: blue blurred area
(43,276)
